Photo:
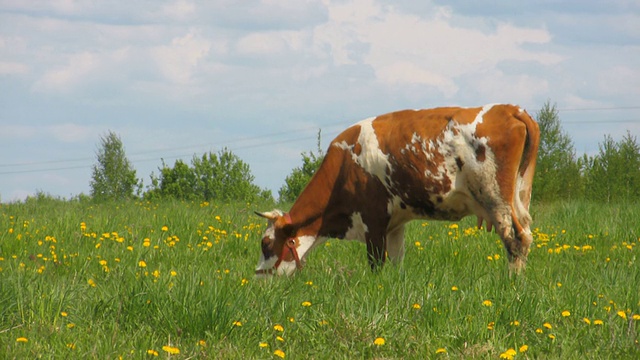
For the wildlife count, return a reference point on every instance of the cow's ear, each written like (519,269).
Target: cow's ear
(270,215)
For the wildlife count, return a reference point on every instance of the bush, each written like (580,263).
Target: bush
(113,177)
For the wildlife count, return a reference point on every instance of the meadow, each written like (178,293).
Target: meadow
(174,280)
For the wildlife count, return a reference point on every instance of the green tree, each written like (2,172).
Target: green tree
(614,174)
(220,177)
(113,176)
(557,171)
(300,176)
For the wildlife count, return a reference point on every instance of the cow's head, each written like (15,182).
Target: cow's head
(282,248)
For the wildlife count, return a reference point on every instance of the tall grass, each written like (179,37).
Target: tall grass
(175,280)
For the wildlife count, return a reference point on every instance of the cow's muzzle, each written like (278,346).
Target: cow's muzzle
(290,246)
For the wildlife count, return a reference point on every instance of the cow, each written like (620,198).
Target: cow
(439,164)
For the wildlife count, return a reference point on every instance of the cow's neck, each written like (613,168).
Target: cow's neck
(309,212)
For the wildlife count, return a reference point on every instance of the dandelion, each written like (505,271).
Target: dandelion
(278,327)
(379,341)
(280,338)
(310,283)
(22,340)
(523,348)
(622,314)
(552,337)
(566,313)
(64,314)
(598,322)
(509,354)
(491,325)
(416,306)
(538,331)
(142,264)
(487,303)
(587,321)
(636,317)
(71,325)
(454,288)
(202,343)
(279,353)
(441,351)
(91,283)
(244,282)
(263,345)
(171,350)
(237,323)
(152,352)
(547,326)
(306,303)
(165,228)
(515,323)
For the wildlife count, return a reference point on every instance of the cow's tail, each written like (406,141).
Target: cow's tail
(529,156)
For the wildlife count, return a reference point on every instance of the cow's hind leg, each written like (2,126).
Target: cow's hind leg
(395,244)
(515,237)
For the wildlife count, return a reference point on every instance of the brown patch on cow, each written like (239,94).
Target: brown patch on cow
(481,153)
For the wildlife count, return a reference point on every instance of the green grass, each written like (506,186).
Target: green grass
(139,280)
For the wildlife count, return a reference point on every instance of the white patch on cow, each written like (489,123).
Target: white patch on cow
(371,158)
(460,141)
(358,229)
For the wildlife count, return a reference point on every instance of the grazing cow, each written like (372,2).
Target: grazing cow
(441,164)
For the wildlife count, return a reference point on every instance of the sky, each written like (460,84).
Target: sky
(174,79)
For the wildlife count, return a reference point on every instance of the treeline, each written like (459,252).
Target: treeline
(609,176)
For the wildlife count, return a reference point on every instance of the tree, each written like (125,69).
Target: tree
(300,176)
(113,177)
(220,177)
(614,174)
(557,172)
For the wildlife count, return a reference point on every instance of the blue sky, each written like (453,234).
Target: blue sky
(178,78)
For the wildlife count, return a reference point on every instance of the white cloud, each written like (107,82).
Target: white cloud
(402,47)
(13,68)
(73,73)
(179,61)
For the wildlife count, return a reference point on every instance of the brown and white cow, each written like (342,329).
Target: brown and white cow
(442,164)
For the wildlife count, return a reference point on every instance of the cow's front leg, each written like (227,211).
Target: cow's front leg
(376,252)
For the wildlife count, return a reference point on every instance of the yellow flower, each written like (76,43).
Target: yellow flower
(306,303)
(244,282)
(622,314)
(552,337)
(142,264)
(263,344)
(566,313)
(509,354)
(586,320)
(538,331)
(237,323)
(64,314)
(597,322)
(635,317)
(487,303)
(202,343)
(152,352)
(71,325)
(278,327)
(547,325)
(491,325)
(279,353)
(441,351)
(165,228)
(22,340)
(523,348)
(379,341)
(171,350)
(416,306)
(454,288)
(280,338)
(91,283)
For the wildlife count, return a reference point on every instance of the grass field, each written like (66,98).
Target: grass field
(175,280)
